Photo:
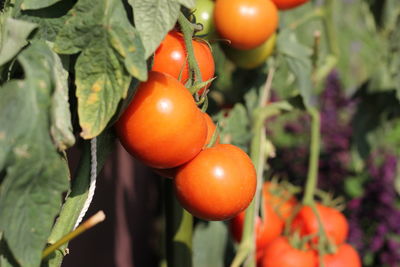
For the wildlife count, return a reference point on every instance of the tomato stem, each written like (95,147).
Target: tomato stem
(188,30)
(258,155)
(312,176)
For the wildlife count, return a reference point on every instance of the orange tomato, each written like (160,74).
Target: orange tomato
(217,184)
(162,126)
(288,4)
(345,256)
(333,221)
(171,57)
(171,173)
(279,253)
(246,23)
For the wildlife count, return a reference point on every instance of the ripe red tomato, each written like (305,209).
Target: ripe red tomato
(345,256)
(246,23)
(171,57)
(217,184)
(280,253)
(333,221)
(288,4)
(171,172)
(162,126)
(252,58)
(211,127)
(204,14)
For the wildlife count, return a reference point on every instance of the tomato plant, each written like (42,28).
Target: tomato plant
(160,116)
(281,253)
(217,184)
(288,4)
(333,221)
(345,256)
(246,24)
(321,111)
(171,58)
(252,58)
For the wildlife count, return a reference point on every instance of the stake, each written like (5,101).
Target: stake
(89,223)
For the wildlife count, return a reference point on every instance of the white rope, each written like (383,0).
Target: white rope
(93,175)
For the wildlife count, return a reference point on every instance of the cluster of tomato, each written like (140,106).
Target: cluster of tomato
(248,26)
(300,247)
(164,128)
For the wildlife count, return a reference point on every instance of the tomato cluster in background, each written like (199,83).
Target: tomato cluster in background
(297,245)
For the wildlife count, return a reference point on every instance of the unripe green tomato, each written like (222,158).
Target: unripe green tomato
(204,15)
(252,58)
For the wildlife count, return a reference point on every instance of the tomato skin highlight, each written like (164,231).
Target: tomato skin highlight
(289,4)
(279,253)
(345,256)
(246,23)
(252,58)
(171,57)
(162,126)
(217,184)
(333,221)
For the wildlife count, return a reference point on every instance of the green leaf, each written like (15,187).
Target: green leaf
(36,4)
(154,19)
(101,82)
(187,3)
(36,175)
(390,16)
(370,128)
(209,242)
(298,58)
(61,128)
(13,39)
(354,186)
(50,19)
(361,46)
(235,127)
(111,50)
(6,258)
(251,99)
